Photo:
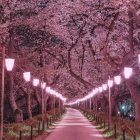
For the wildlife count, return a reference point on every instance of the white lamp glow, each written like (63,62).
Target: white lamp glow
(139,58)
(27,76)
(43,85)
(117,79)
(96,90)
(110,83)
(127,72)
(48,89)
(104,86)
(9,64)
(100,89)
(35,82)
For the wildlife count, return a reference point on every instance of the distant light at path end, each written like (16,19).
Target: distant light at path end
(9,63)
(128,72)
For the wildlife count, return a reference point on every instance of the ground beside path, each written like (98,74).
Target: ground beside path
(73,126)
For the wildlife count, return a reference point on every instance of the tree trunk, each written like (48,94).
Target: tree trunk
(135,94)
(45,104)
(38,99)
(29,110)
(19,115)
(137,110)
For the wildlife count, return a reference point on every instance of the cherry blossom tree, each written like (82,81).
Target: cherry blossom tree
(73,45)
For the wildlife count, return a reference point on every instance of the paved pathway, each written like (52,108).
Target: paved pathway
(74,126)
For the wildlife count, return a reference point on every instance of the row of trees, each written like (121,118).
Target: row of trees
(75,45)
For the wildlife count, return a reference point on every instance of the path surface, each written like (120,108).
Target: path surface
(74,126)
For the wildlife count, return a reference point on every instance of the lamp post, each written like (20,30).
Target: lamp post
(2,93)
(43,86)
(110,84)
(90,104)
(9,63)
(59,104)
(54,104)
(139,60)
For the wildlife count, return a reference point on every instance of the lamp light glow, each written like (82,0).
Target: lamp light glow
(104,86)
(48,89)
(9,63)
(96,90)
(27,76)
(43,85)
(35,82)
(117,79)
(100,89)
(139,58)
(127,72)
(119,112)
(110,83)
(123,107)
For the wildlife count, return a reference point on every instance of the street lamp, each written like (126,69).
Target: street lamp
(139,59)
(27,76)
(104,86)
(117,79)
(96,90)
(100,89)
(9,63)
(128,72)
(43,86)
(110,84)
(35,82)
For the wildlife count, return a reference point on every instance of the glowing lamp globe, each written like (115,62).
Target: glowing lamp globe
(43,85)
(100,89)
(96,90)
(27,76)
(9,63)
(35,82)
(48,89)
(65,99)
(117,79)
(104,86)
(139,58)
(110,83)
(127,72)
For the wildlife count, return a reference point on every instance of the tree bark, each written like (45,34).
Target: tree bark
(38,99)
(45,104)
(19,115)
(29,110)
(137,110)
(134,90)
